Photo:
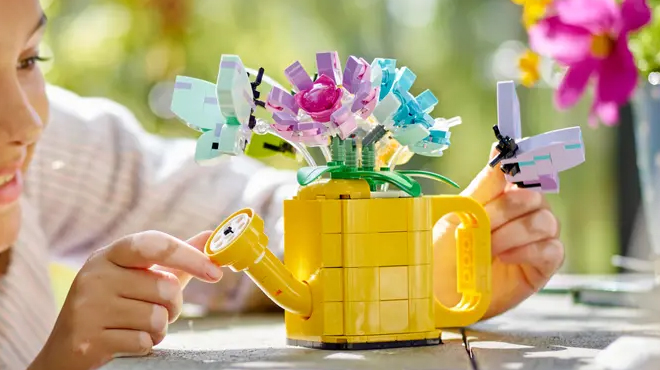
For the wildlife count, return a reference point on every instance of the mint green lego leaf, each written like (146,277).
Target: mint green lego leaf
(429,175)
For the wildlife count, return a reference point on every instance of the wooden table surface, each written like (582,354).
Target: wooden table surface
(548,331)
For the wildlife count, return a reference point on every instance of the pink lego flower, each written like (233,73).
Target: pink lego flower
(590,37)
(321,100)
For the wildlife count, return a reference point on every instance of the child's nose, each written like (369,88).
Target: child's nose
(20,125)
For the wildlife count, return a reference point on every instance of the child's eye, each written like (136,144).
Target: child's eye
(29,63)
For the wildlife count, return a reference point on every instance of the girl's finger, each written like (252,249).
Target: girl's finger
(151,286)
(198,242)
(126,343)
(513,204)
(488,184)
(145,249)
(541,259)
(530,228)
(129,314)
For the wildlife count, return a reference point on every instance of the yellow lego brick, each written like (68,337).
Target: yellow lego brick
(360,250)
(362,318)
(361,284)
(420,281)
(421,314)
(331,250)
(393,282)
(420,248)
(375,249)
(419,215)
(411,336)
(394,316)
(375,215)
(333,318)
(435,334)
(357,339)
(333,339)
(313,216)
(392,249)
(305,253)
(465,257)
(333,284)
(381,338)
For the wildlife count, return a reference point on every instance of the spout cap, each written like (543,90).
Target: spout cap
(239,241)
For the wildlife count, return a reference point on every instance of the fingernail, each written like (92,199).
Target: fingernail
(214,272)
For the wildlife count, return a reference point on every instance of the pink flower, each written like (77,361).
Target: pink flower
(323,99)
(590,37)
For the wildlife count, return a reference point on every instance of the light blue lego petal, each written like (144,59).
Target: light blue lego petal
(427,101)
(194,101)
(388,67)
(405,78)
(411,134)
(429,149)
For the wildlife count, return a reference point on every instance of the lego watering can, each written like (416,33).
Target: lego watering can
(358,265)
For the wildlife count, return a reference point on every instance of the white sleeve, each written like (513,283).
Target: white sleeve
(97,176)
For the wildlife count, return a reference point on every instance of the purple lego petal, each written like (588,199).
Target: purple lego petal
(284,119)
(298,77)
(344,120)
(327,64)
(354,73)
(281,101)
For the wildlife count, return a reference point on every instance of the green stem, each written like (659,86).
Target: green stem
(429,175)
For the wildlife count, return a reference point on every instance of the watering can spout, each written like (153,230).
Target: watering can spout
(240,244)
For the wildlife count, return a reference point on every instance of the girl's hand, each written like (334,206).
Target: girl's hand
(526,249)
(124,298)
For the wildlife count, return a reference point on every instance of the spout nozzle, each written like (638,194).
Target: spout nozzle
(240,243)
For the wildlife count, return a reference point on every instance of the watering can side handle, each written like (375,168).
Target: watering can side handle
(473,261)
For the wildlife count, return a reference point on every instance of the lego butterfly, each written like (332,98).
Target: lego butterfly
(533,162)
(224,113)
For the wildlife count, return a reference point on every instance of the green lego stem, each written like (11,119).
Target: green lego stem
(307,175)
(429,175)
(338,150)
(351,156)
(368,157)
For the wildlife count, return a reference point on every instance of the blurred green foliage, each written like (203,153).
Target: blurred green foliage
(127,50)
(644,43)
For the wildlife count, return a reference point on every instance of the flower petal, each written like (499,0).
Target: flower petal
(606,112)
(574,83)
(598,16)
(635,14)
(617,75)
(565,43)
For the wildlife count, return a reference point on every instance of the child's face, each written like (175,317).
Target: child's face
(23,105)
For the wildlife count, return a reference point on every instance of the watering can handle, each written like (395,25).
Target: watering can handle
(473,260)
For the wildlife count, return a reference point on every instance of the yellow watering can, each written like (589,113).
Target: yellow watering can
(358,265)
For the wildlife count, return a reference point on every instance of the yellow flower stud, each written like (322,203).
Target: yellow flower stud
(529,68)
(533,10)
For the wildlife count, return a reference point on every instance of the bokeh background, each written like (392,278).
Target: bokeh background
(132,50)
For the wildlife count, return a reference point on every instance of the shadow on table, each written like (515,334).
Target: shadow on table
(451,355)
